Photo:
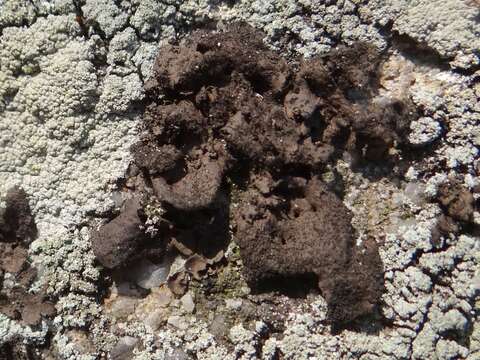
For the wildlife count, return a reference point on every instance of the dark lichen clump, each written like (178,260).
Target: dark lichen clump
(235,137)
(17,230)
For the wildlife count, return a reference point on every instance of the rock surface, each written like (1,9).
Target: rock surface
(65,137)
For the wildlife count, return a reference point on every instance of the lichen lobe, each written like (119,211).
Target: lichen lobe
(234,130)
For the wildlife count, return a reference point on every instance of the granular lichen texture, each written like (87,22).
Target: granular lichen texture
(175,186)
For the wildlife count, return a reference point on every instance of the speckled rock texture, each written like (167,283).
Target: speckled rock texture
(72,74)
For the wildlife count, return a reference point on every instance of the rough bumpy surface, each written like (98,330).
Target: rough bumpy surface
(118,240)
(72,74)
(301,228)
(16,220)
(222,104)
(17,230)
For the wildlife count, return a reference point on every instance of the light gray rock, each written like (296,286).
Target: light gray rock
(188,303)
(68,117)
(124,348)
(149,275)
(178,322)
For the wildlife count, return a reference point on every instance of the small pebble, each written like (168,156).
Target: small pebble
(187,302)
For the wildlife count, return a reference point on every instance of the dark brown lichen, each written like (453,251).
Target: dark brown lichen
(236,137)
(457,200)
(300,227)
(116,241)
(16,220)
(17,230)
